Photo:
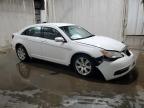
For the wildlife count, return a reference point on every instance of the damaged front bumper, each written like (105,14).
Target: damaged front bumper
(117,68)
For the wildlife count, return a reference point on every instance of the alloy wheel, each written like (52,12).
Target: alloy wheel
(83,66)
(21,53)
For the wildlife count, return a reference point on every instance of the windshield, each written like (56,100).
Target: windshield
(76,32)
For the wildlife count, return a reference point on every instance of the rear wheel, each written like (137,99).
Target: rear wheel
(22,53)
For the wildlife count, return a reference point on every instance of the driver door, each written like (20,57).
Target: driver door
(52,50)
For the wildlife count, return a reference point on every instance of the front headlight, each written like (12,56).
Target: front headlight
(113,55)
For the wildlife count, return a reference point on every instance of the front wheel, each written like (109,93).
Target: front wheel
(83,65)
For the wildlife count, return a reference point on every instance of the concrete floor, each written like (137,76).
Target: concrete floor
(40,84)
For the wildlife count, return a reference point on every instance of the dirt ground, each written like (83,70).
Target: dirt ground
(41,84)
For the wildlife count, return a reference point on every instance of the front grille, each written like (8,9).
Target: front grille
(126,51)
(121,71)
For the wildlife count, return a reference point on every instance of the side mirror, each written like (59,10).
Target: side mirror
(59,39)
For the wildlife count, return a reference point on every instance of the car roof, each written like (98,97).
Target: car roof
(53,24)
(46,24)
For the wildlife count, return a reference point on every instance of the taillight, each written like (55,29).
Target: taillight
(12,36)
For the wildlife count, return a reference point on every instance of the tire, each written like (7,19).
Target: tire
(83,65)
(22,53)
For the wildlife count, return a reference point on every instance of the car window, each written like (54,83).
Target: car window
(50,33)
(34,31)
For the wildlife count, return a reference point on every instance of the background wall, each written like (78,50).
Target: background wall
(101,17)
(135,23)
(14,15)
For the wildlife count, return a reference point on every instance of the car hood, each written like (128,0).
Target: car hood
(103,42)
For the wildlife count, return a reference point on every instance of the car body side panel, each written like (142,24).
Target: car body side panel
(71,46)
(82,48)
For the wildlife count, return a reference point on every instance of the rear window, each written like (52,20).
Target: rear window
(33,31)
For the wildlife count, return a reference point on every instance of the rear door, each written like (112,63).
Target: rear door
(33,39)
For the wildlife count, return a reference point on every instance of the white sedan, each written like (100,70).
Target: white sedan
(69,44)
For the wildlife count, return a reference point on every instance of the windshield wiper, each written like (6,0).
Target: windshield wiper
(84,37)
(90,36)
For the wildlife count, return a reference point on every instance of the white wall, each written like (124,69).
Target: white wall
(14,15)
(101,17)
(135,24)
